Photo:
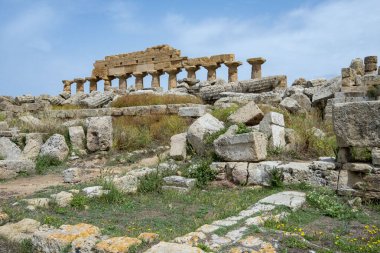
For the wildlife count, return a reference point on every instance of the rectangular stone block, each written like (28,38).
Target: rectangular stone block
(357,124)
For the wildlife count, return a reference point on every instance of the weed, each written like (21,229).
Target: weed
(201,171)
(151,182)
(79,202)
(204,247)
(52,221)
(294,242)
(242,129)
(45,163)
(222,114)
(114,195)
(361,154)
(3,116)
(374,91)
(2,157)
(329,204)
(154,99)
(276,178)
(211,137)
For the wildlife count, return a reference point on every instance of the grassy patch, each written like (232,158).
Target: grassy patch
(131,133)
(154,99)
(223,113)
(361,154)
(201,171)
(45,163)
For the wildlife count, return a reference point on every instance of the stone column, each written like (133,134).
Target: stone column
(155,78)
(67,86)
(370,64)
(256,66)
(348,77)
(233,70)
(139,82)
(93,83)
(80,84)
(172,83)
(123,81)
(211,71)
(191,71)
(108,82)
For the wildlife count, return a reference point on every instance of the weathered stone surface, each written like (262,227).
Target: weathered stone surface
(56,240)
(259,173)
(358,167)
(130,182)
(375,156)
(271,98)
(77,138)
(178,146)
(62,198)
(31,121)
(9,150)
(239,174)
(249,114)
(4,218)
(24,99)
(99,133)
(117,245)
(165,247)
(72,175)
(37,202)
(55,147)
(290,104)
(97,99)
(357,64)
(33,144)
(4,126)
(273,118)
(179,181)
(94,191)
(290,199)
(207,124)
(273,126)
(357,124)
(11,168)
(192,238)
(22,230)
(327,90)
(247,147)
(192,111)
(148,237)
(302,100)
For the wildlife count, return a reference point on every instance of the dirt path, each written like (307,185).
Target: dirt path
(24,186)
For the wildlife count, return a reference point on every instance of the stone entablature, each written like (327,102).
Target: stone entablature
(157,61)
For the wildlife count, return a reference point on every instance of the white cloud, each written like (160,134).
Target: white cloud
(309,41)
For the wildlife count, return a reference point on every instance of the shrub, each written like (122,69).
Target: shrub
(201,171)
(361,154)
(223,113)
(114,195)
(329,204)
(45,163)
(210,138)
(154,99)
(131,133)
(79,202)
(242,129)
(374,91)
(276,178)
(151,183)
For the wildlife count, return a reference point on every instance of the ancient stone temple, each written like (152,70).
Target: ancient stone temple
(156,61)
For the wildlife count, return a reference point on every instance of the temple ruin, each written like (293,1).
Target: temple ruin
(156,61)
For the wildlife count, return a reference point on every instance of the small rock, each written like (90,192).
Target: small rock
(178,146)
(72,175)
(22,230)
(55,147)
(117,245)
(94,191)
(4,218)
(249,114)
(63,198)
(148,237)
(166,247)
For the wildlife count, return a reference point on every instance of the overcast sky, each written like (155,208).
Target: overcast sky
(44,42)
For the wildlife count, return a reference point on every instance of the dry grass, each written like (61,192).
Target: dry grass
(131,133)
(154,99)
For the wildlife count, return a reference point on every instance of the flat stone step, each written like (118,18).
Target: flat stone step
(179,181)
(292,199)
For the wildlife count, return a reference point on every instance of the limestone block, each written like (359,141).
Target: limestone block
(148,237)
(4,218)
(259,173)
(24,99)
(179,181)
(98,99)
(11,168)
(207,124)
(357,124)
(9,150)
(249,114)
(241,147)
(302,100)
(56,240)
(99,133)
(240,174)
(33,144)
(55,147)
(262,84)
(270,98)
(178,146)
(358,167)
(116,244)
(72,175)
(273,118)
(273,126)
(376,156)
(326,91)
(77,138)
(94,191)
(22,230)
(62,198)
(193,111)
(165,247)
(290,104)
(4,126)
(291,199)
(357,64)
(31,121)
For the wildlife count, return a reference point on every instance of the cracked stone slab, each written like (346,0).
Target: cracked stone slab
(224,223)
(292,199)
(236,234)
(208,228)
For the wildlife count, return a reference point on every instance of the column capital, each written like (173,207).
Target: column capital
(256,60)
(68,82)
(92,78)
(79,80)
(156,72)
(139,74)
(233,63)
(172,71)
(211,66)
(192,68)
(124,76)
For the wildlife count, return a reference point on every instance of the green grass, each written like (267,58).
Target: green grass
(222,114)
(169,214)
(45,163)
